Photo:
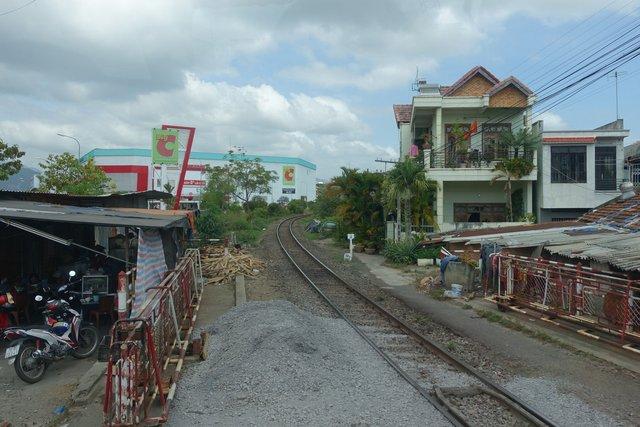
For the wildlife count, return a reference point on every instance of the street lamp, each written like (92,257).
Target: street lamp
(75,139)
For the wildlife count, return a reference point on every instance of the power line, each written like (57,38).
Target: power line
(17,8)
(562,36)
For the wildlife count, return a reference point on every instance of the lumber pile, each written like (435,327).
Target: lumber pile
(222,265)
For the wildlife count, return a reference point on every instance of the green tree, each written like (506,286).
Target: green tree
(511,170)
(407,181)
(10,163)
(515,141)
(241,178)
(64,173)
(516,167)
(359,203)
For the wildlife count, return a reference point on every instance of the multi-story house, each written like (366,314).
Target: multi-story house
(478,106)
(578,170)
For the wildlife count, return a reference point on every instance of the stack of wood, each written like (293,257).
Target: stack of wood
(222,265)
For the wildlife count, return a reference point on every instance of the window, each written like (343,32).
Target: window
(569,164)
(605,168)
(491,147)
(479,212)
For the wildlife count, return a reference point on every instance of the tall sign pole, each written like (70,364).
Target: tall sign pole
(185,161)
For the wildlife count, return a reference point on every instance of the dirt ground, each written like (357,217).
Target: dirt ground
(34,404)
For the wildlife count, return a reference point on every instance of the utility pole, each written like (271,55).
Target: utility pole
(386,162)
(615,75)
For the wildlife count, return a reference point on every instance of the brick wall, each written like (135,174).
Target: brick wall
(477,86)
(508,97)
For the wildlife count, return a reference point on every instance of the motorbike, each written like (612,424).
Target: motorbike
(34,348)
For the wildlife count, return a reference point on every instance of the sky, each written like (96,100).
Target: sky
(303,78)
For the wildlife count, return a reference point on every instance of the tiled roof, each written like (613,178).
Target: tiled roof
(469,75)
(569,140)
(402,113)
(618,213)
(476,232)
(510,81)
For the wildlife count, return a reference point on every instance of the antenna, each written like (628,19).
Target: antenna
(615,75)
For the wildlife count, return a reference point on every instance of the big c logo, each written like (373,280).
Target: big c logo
(164,146)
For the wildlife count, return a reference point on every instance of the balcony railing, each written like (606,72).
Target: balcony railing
(476,158)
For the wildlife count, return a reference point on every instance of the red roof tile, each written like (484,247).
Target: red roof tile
(403,113)
(469,75)
(573,139)
(510,81)
(619,213)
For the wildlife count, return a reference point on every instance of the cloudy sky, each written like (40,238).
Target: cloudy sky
(314,79)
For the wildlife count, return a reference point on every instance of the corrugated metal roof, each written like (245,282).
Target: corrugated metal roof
(37,211)
(619,250)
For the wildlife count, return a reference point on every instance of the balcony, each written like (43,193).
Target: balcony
(483,158)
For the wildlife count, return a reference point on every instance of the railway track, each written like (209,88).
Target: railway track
(463,395)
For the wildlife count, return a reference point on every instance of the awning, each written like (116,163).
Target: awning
(36,211)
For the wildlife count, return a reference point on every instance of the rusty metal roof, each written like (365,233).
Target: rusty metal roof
(619,250)
(617,213)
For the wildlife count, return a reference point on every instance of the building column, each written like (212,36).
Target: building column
(438,132)
(440,205)
(528,197)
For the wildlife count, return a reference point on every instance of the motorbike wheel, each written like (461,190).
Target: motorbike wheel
(88,340)
(29,369)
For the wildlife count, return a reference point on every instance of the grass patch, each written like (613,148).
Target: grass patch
(437,294)
(421,319)
(467,306)
(451,346)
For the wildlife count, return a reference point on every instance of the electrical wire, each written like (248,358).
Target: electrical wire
(17,8)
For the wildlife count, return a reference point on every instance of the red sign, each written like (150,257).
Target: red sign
(194,182)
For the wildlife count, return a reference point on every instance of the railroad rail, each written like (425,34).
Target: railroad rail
(462,394)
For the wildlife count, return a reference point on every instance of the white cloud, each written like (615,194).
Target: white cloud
(552,121)
(320,129)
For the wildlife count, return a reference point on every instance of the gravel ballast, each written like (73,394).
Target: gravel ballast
(272,363)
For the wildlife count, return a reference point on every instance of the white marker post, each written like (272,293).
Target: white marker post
(349,256)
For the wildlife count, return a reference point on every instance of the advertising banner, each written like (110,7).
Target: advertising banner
(289,176)
(164,146)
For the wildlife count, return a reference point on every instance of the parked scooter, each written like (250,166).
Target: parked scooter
(34,348)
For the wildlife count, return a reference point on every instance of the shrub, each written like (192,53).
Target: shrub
(248,236)
(296,206)
(430,252)
(275,209)
(209,224)
(402,252)
(255,203)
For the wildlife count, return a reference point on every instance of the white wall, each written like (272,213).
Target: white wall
(474,192)
(576,195)
(305,178)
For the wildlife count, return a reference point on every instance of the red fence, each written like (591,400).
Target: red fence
(607,301)
(147,352)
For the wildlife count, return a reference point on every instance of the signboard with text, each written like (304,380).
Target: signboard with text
(164,146)
(289,175)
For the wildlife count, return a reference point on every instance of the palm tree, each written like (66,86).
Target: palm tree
(522,139)
(405,181)
(514,168)
(511,170)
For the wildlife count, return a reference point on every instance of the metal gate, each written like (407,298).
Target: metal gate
(604,300)
(147,352)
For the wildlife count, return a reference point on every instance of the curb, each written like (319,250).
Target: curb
(83,390)
(241,294)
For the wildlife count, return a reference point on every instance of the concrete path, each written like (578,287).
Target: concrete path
(465,322)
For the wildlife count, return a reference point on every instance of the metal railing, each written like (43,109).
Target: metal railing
(474,158)
(603,300)
(138,387)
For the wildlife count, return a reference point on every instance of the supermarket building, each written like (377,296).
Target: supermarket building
(131,169)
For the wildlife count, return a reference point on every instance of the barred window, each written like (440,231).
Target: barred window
(569,164)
